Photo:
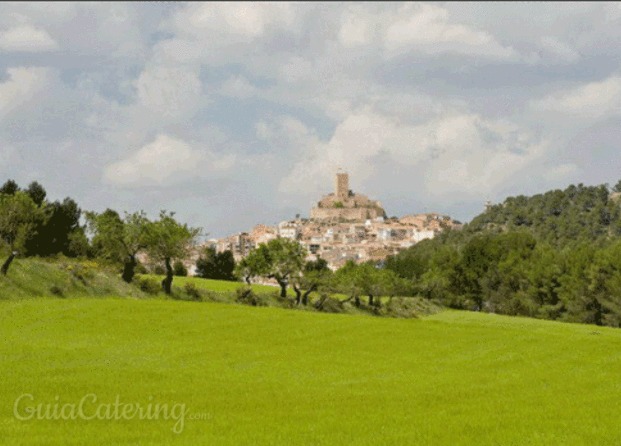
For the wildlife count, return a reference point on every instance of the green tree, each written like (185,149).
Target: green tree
(179,269)
(10,187)
(280,259)
(36,192)
(55,233)
(119,240)
(315,276)
(169,240)
(216,265)
(18,218)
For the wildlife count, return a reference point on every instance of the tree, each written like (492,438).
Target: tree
(36,192)
(347,281)
(314,276)
(280,259)
(55,233)
(18,218)
(216,265)
(169,240)
(10,187)
(119,240)
(179,269)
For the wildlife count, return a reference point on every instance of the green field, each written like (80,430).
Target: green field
(274,376)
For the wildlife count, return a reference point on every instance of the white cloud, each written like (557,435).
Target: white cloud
(164,161)
(23,86)
(594,100)
(460,154)
(562,51)
(474,156)
(560,172)
(171,92)
(238,87)
(243,21)
(356,27)
(26,38)
(426,28)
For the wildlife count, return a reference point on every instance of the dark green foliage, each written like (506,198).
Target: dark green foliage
(159,270)
(218,266)
(37,193)
(558,217)
(246,296)
(10,187)
(179,269)
(555,256)
(148,285)
(55,290)
(59,232)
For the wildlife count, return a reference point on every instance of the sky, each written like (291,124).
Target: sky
(235,114)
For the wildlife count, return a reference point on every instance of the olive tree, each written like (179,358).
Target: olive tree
(119,239)
(169,240)
(280,259)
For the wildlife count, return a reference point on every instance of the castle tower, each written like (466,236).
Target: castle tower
(342,185)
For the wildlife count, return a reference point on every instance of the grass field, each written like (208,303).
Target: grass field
(273,376)
(215,285)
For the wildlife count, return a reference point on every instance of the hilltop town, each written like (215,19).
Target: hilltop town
(343,226)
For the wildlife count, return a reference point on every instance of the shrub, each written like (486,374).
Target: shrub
(245,295)
(179,269)
(192,291)
(329,304)
(159,270)
(141,269)
(148,285)
(57,291)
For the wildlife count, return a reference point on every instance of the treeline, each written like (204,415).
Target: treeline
(31,225)
(555,256)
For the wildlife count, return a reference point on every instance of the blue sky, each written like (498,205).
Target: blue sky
(237,114)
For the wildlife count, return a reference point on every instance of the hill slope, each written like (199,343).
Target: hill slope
(555,255)
(270,376)
(33,277)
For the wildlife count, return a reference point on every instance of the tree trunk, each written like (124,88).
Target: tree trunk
(298,294)
(283,287)
(319,305)
(7,263)
(167,282)
(370,300)
(307,293)
(129,267)
(247,278)
(357,301)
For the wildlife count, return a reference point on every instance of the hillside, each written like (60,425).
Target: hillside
(71,278)
(555,255)
(558,216)
(63,277)
(269,376)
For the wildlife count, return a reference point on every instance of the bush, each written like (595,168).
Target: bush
(159,270)
(179,269)
(246,296)
(148,285)
(329,304)
(57,291)
(141,269)
(192,291)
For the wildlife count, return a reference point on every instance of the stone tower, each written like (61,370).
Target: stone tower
(342,185)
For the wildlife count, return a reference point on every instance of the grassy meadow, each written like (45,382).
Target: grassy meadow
(262,376)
